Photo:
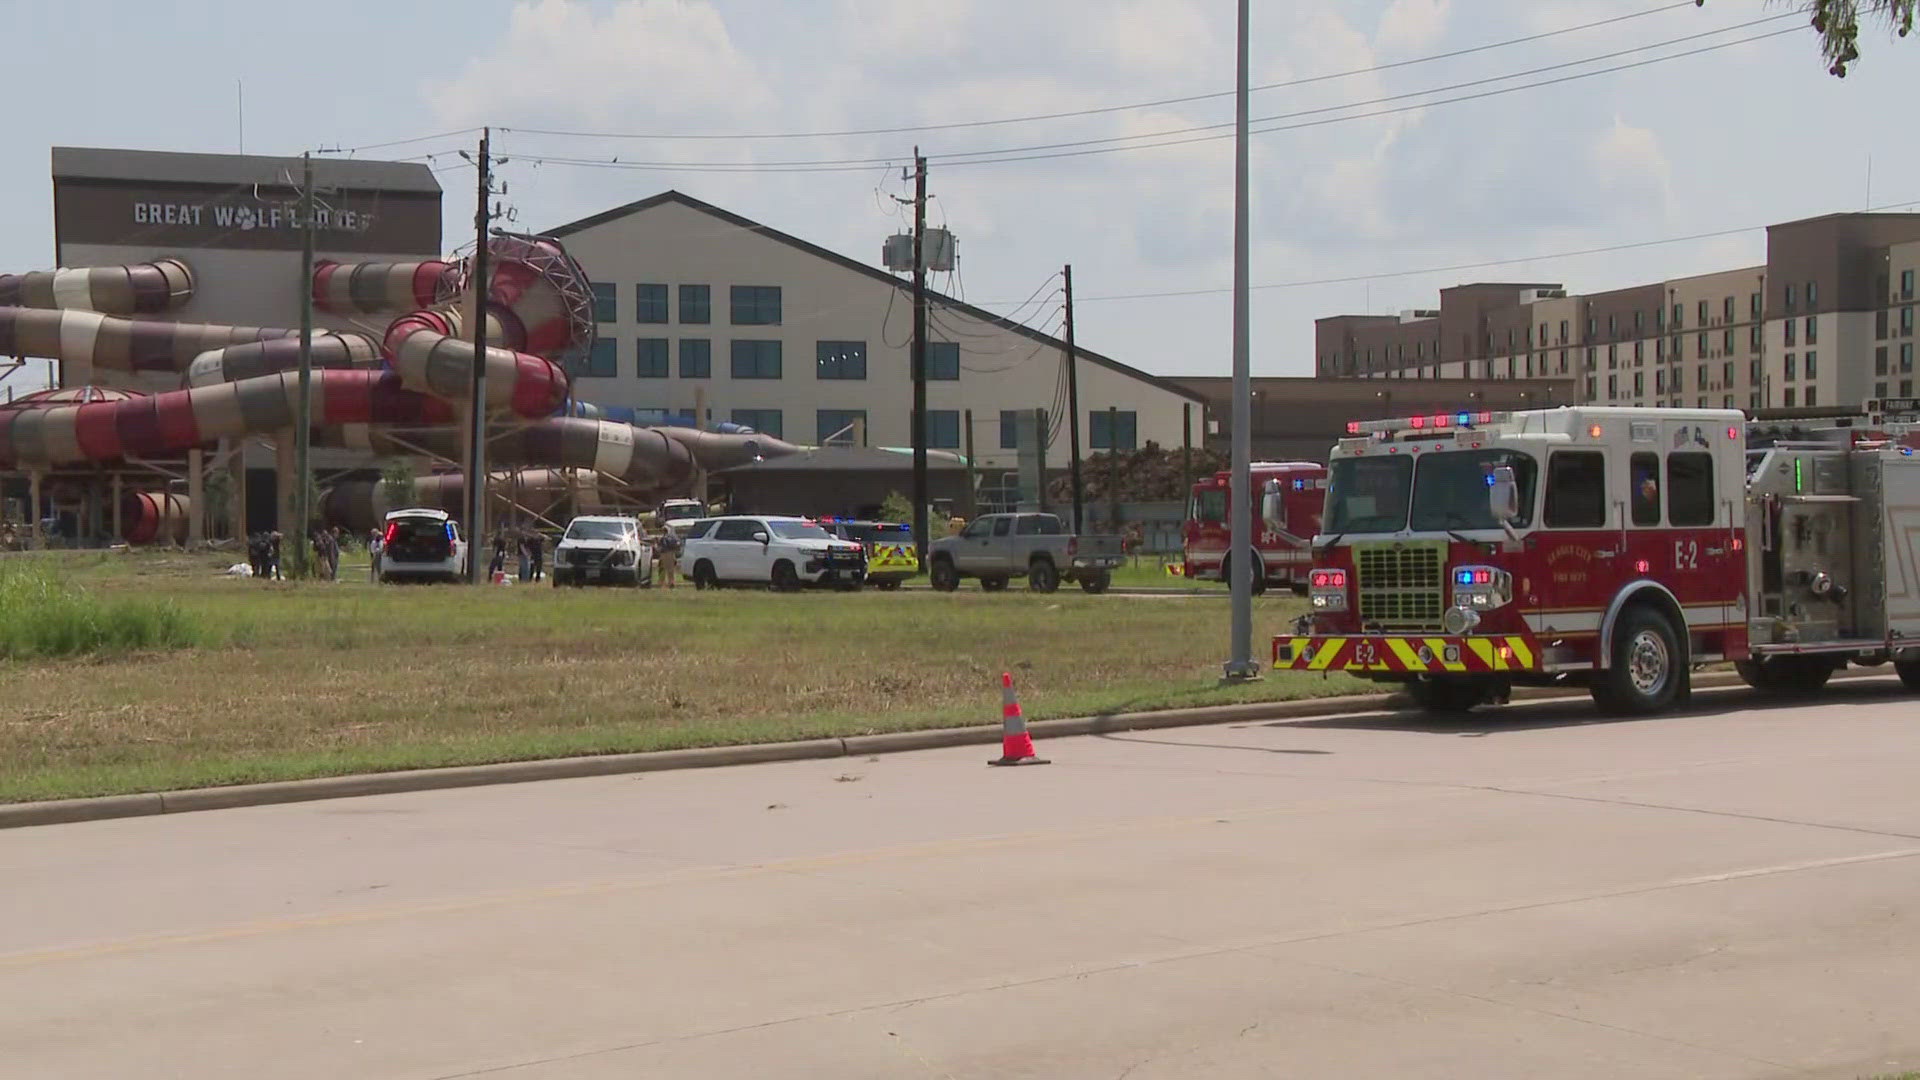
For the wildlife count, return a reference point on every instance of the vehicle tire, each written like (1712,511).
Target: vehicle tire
(1259,578)
(784,578)
(1447,696)
(703,576)
(993,584)
(1909,672)
(559,579)
(1648,666)
(1042,577)
(1095,581)
(942,576)
(1786,674)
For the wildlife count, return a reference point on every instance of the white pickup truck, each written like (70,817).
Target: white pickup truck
(997,548)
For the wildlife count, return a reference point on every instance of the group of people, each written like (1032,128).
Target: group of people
(263,554)
(532,547)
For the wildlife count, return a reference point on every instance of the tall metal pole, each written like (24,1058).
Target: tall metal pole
(1240,665)
(303,414)
(919,355)
(1073,408)
(477,403)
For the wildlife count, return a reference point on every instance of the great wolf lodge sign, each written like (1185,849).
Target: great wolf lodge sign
(190,216)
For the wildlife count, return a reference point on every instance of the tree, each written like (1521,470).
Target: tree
(396,483)
(897,507)
(1838,24)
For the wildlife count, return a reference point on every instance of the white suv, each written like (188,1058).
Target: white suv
(784,552)
(422,544)
(604,549)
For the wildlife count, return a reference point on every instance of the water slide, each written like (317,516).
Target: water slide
(396,394)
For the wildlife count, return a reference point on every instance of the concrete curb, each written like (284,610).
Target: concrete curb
(62,811)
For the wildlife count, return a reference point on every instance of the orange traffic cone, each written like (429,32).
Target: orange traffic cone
(1016,746)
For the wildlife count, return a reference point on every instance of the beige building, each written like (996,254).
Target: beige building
(1826,321)
(699,304)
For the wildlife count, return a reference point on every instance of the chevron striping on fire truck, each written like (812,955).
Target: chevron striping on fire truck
(1461,554)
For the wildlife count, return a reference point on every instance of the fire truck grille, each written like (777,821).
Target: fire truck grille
(1402,586)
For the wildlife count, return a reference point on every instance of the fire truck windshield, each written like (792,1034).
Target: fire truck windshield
(1210,504)
(1431,493)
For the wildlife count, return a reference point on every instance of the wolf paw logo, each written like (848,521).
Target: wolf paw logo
(246,218)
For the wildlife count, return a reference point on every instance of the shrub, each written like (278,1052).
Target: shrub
(43,616)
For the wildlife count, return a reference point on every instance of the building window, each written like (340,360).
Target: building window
(650,303)
(1639,383)
(1645,493)
(1906,322)
(839,359)
(1591,331)
(1753,372)
(1880,324)
(764,421)
(1790,297)
(943,361)
(1813,366)
(1690,490)
(1613,325)
(943,429)
(1753,305)
(1613,357)
(1879,390)
(1563,322)
(756,359)
(1726,309)
(1009,429)
(1811,400)
(756,305)
(1639,354)
(606,307)
(1906,284)
(1726,342)
(1700,346)
(1590,358)
(1790,366)
(1788,399)
(1590,388)
(1813,330)
(1639,322)
(1112,430)
(1813,299)
(1679,315)
(1753,338)
(1880,361)
(1659,348)
(1659,382)
(1726,375)
(1906,387)
(1788,328)
(1677,351)
(696,304)
(840,427)
(1703,312)
(1563,361)
(696,358)
(604,361)
(1906,358)
(651,358)
(1613,387)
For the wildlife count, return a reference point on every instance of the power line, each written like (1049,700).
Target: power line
(1014,154)
(1455,267)
(1097,111)
(396,142)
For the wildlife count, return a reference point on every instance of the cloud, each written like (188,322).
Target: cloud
(1628,165)
(1408,27)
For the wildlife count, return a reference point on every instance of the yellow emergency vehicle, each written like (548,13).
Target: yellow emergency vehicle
(891,558)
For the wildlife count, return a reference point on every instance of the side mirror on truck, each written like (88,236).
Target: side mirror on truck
(1503,497)
(1273,506)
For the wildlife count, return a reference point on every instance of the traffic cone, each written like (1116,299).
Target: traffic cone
(1016,746)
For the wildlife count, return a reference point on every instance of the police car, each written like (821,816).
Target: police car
(891,558)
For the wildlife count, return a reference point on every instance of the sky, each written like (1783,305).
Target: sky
(1728,139)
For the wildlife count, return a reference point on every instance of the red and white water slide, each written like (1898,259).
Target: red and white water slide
(242,380)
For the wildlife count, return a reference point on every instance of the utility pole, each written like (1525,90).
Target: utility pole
(303,413)
(920,355)
(1240,666)
(477,400)
(1073,409)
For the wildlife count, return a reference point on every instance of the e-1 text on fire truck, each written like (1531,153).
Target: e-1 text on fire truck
(1288,498)
(1613,548)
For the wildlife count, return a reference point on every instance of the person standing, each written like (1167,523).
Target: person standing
(273,556)
(666,557)
(498,564)
(373,555)
(520,542)
(537,552)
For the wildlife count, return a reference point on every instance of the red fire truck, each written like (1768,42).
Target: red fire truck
(1291,490)
(1613,548)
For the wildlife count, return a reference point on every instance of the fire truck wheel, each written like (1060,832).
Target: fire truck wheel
(1259,583)
(1453,696)
(1786,674)
(1647,665)
(1909,672)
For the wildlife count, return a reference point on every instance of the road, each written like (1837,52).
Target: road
(1727,893)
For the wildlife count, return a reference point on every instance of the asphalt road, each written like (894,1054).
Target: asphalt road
(1728,893)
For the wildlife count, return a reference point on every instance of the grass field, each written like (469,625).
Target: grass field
(295,680)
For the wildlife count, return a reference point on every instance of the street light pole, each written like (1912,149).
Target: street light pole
(302,561)
(1240,666)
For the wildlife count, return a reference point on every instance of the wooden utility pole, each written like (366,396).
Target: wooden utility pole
(476,463)
(920,355)
(973,492)
(1073,408)
(1113,464)
(296,537)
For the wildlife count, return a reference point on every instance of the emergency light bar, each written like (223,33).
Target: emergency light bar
(1434,422)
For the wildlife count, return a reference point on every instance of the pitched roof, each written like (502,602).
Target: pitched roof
(874,272)
(163,166)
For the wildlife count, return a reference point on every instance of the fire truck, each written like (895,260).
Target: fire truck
(1289,490)
(1617,549)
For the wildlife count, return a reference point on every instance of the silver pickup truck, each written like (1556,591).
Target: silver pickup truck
(997,548)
